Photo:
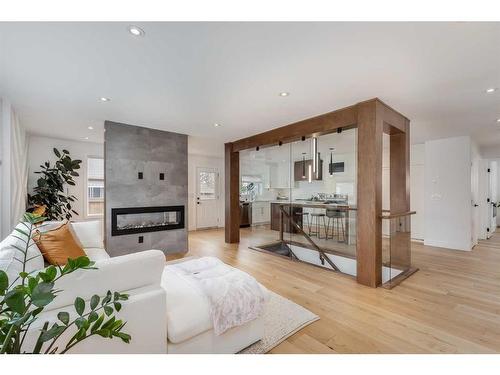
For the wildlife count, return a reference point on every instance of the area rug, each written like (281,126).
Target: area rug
(282,318)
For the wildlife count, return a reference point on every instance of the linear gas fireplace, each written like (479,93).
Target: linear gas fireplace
(146,219)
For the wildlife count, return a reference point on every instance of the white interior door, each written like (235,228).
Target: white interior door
(475,202)
(493,196)
(207,198)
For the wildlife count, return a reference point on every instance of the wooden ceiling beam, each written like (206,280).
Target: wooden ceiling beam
(344,118)
(322,124)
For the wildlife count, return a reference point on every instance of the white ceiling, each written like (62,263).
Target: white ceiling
(184,77)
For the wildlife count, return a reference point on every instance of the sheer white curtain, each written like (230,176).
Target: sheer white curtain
(19,169)
(14,168)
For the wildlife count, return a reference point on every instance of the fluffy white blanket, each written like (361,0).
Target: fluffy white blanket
(235,298)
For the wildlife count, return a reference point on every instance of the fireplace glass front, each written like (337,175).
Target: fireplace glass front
(146,219)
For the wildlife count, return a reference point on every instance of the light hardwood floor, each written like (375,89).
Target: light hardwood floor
(452,305)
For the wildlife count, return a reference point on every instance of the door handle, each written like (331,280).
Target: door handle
(476,205)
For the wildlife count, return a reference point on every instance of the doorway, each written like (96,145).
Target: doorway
(207,198)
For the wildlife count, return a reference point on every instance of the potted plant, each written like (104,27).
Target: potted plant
(24,299)
(49,197)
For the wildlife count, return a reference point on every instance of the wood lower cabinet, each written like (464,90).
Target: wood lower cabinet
(288,227)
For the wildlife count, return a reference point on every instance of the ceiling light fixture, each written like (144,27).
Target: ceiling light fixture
(216,125)
(90,127)
(498,119)
(135,31)
(86,138)
(284,94)
(491,89)
(104,99)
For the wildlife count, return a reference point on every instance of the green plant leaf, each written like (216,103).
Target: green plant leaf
(51,272)
(93,316)
(32,282)
(4,282)
(97,324)
(94,301)
(125,337)
(54,331)
(108,310)
(14,299)
(56,151)
(118,306)
(63,316)
(79,305)
(81,322)
(42,294)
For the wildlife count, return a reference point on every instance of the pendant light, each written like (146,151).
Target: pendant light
(330,166)
(303,165)
(314,152)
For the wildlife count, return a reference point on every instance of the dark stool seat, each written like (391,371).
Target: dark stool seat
(315,222)
(338,225)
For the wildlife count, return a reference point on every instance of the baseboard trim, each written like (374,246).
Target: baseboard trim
(447,245)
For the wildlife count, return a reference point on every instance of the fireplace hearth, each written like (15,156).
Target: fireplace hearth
(146,219)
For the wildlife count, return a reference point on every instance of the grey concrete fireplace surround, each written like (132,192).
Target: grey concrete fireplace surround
(145,168)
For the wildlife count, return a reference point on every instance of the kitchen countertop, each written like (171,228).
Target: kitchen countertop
(316,204)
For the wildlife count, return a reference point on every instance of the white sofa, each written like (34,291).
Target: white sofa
(164,314)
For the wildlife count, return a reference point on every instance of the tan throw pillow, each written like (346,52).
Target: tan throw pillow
(58,245)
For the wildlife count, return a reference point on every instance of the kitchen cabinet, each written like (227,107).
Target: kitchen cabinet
(298,171)
(279,174)
(261,213)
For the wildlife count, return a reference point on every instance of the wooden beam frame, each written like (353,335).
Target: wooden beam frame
(372,118)
(232,194)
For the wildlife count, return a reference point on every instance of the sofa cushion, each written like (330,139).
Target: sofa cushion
(188,311)
(188,308)
(88,233)
(96,254)
(59,245)
(8,252)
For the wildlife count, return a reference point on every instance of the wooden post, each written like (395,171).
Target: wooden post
(400,192)
(369,203)
(232,194)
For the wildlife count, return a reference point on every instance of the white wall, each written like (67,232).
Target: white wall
(40,150)
(417,186)
(447,197)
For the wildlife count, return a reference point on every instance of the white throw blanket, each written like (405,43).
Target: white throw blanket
(235,298)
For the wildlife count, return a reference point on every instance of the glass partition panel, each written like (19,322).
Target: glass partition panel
(396,249)
(303,200)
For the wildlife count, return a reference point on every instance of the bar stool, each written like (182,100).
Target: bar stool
(315,221)
(305,219)
(337,216)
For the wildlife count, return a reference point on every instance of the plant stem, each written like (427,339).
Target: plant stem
(7,339)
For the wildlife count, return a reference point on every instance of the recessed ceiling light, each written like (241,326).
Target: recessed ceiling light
(86,138)
(216,125)
(90,127)
(491,89)
(498,119)
(284,93)
(104,99)
(135,31)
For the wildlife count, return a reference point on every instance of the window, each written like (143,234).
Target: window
(95,186)
(207,187)
(251,186)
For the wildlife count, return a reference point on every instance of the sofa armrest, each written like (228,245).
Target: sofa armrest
(119,274)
